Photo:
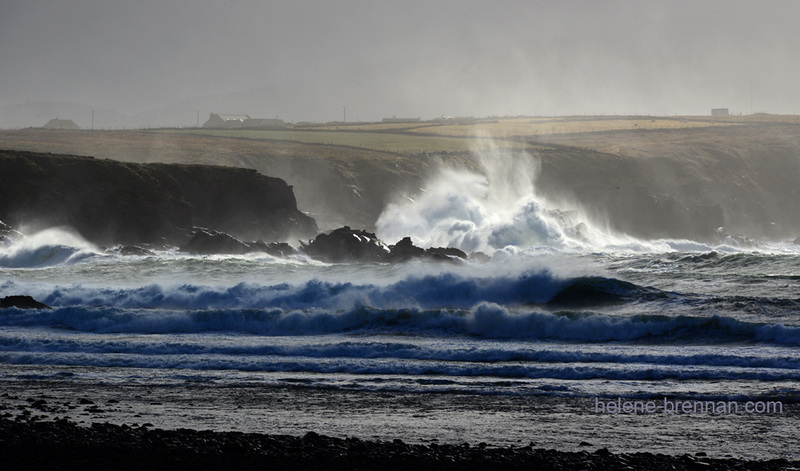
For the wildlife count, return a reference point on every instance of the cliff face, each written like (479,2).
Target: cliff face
(111,202)
(683,183)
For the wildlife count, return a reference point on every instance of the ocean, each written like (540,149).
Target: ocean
(563,328)
(543,341)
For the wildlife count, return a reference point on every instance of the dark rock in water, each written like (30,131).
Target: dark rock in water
(22,302)
(347,245)
(208,242)
(734,240)
(449,252)
(276,249)
(405,250)
(130,250)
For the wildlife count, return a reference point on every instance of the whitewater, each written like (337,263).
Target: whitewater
(559,309)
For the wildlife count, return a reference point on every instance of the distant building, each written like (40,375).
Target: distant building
(230,121)
(719,112)
(57,123)
(226,120)
(263,123)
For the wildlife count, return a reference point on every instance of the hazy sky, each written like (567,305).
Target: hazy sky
(409,57)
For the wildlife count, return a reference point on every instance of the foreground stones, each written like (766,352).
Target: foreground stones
(28,444)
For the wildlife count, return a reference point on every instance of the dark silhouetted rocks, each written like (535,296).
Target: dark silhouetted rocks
(22,302)
(110,202)
(405,250)
(207,242)
(346,245)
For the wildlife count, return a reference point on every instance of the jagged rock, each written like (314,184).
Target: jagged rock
(120,203)
(449,252)
(22,302)
(346,245)
(734,240)
(276,249)
(405,250)
(128,250)
(208,242)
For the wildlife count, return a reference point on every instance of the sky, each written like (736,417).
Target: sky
(315,60)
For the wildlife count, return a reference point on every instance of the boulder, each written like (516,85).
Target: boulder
(22,302)
(276,249)
(405,250)
(346,245)
(209,242)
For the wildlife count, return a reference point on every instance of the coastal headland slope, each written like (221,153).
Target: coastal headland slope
(648,178)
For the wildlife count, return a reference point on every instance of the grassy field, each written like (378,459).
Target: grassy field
(534,127)
(398,143)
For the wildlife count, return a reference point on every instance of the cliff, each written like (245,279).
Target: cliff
(110,202)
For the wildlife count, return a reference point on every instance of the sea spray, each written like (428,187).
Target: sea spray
(484,212)
(49,247)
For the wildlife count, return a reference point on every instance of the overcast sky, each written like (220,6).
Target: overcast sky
(416,58)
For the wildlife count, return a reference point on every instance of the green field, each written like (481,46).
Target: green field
(386,142)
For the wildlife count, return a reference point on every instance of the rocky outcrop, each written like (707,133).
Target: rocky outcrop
(112,203)
(21,302)
(797,241)
(348,245)
(405,250)
(208,242)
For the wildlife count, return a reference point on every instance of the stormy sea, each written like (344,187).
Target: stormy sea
(555,333)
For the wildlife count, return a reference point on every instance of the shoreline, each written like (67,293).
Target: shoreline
(67,414)
(30,444)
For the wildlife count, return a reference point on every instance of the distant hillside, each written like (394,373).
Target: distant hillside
(110,202)
(650,183)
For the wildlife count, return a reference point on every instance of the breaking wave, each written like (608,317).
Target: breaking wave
(486,320)
(46,248)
